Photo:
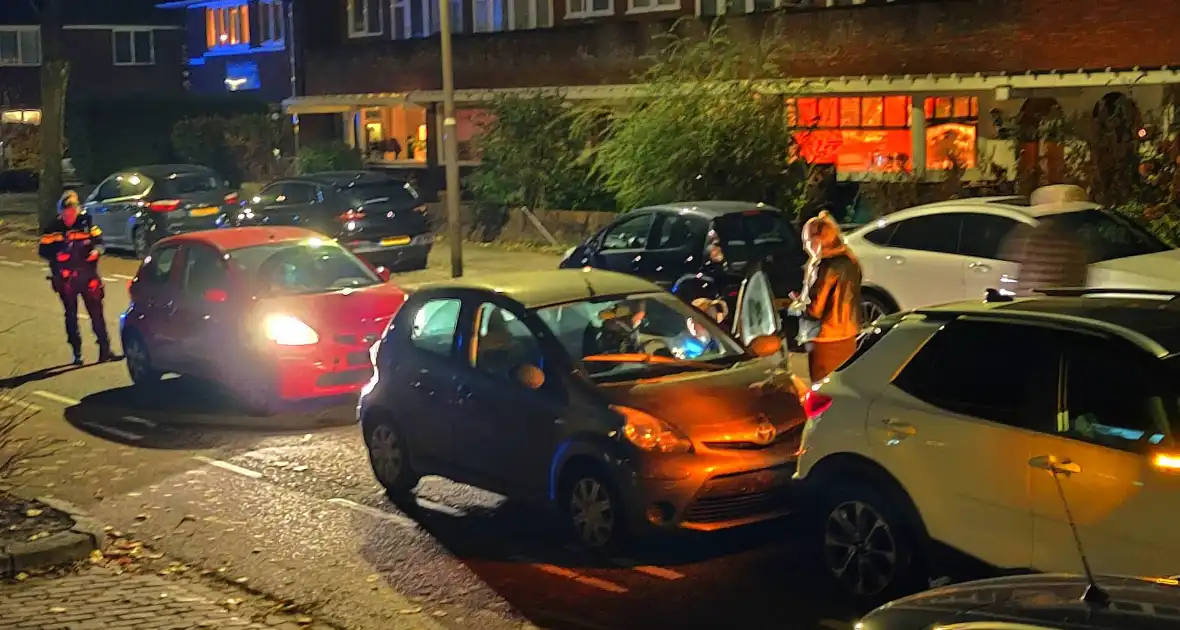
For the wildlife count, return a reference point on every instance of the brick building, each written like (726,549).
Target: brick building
(889,84)
(114,49)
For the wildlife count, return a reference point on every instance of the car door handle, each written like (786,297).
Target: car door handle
(1056,465)
(895,259)
(900,428)
(980,267)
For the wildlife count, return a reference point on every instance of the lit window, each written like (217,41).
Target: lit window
(639,6)
(21,117)
(20,46)
(270,21)
(364,18)
(528,14)
(589,8)
(242,76)
(133,47)
(227,26)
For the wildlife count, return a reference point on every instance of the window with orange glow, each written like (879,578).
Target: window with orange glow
(227,26)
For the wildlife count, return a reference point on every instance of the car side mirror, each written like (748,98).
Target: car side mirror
(529,376)
(216,296)
(384,274)
(765,346)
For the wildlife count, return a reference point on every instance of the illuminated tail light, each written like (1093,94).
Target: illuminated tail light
(815,404)
(420,209)
(232,198)
(352,215)
(713,249)
(164,205)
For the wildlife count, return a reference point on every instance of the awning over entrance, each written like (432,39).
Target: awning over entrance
(340,103)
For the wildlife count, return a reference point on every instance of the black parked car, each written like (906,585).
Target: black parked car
(593,392)
(380,219)
(136,207)
(700,249)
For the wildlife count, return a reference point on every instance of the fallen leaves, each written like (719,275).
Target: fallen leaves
(33,512)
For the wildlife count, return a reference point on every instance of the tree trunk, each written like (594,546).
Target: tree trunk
(55,74)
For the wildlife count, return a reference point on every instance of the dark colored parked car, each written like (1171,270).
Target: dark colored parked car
(590,391)
(700,249)
(1035,602)
(137,207)
(379,218)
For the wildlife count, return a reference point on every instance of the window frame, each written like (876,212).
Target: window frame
(150,279)
(188,259)
(601,243)
(588,11)
(22,62)
(954,250)
(453,352)
(967,215)
(477,315)
(221,20)
(272,16)
(656,7)
(432,19)
(373,25)
(533,21)
(696,240)
(490,13)
(131,32)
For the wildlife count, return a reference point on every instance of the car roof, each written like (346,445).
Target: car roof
(535,289)
(165,170)
(1012,206)
(230,239)
(709,209)
(1152,319)
(344,178)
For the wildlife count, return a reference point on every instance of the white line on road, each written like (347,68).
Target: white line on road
(137,420)
(10,263)
(19,403)
(245,472)
(659,572)
(441,508)
(374,512)
(121,276)
(126,435)
(586,580)
(65,400)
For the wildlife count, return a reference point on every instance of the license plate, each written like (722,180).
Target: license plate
(203,212)
(395,240)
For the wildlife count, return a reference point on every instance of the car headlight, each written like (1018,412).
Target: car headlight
(650,433)
(287,330)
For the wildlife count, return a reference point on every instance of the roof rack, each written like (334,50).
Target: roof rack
(1085,291)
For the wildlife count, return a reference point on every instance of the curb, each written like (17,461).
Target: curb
(65,547)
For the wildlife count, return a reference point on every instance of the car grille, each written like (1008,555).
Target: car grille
(745,495)
(788,435)
(346,377)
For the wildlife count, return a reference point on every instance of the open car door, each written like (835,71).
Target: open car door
(755,313)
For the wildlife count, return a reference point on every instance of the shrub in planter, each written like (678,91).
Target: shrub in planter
(328,156)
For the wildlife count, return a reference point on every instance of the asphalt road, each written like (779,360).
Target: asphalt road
(288,505)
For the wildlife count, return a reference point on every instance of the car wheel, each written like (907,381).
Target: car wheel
(139,242)
(869,546)
(139,361)
(594,511)
(874,307)
(390,459)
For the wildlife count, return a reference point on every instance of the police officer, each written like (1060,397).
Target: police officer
(72,244)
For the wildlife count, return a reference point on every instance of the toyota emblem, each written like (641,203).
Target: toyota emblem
(765,433)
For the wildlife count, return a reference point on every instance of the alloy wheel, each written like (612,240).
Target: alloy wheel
(592,513)
(138,363)
(871,311)
(860,548)
(386,453)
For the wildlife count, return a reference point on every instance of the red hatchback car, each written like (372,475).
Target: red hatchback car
(274,314)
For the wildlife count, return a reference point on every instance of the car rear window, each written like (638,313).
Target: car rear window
(758,229)
(1106,236)
(391,192)
(191,183)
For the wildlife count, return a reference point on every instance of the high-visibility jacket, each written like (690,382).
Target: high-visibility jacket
(72,251)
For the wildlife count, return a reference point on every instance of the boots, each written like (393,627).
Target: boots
(104,353)
(77,355)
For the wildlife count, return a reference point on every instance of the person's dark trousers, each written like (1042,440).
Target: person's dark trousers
(93,303)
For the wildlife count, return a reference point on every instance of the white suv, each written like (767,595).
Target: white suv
(949,251)
(942,431)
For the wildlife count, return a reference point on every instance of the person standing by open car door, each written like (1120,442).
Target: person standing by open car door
(71,244)
(829,309)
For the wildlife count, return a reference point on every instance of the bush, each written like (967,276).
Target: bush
(240,148)
(22,147)
(328,156)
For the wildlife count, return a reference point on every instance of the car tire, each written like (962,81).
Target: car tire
(873,306)
(139,242)
(594,510)
(389,457)
(139,360)
(869,546)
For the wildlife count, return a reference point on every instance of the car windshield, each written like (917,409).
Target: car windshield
(626,337)
(1106,236)
(380,192)
(190,183)
(297,267)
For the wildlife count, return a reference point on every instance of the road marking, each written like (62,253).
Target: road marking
(659,572)
(65,400)
(10,263)
(442,508)
(137,420)
(374,512)
(19,403)
(121,276)
(126,435)
(245,472)
(586,580)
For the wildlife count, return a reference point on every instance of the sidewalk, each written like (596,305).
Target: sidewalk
(98,598)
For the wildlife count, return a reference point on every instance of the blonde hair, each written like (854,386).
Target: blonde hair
(69,199)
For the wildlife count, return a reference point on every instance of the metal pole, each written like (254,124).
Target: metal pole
(450,141)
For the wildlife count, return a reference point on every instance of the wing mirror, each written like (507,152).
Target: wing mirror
(529,376)
(765,346)
(384,274)
(216,296)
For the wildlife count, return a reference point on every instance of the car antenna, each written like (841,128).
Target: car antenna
(1093,595)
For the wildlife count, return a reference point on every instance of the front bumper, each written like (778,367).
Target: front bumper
(710,489)
(319,372)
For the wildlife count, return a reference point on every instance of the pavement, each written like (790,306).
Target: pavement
(287,506)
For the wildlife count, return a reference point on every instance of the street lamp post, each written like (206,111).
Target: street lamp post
(450,141)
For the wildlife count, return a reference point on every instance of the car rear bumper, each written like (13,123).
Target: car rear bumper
(395,255)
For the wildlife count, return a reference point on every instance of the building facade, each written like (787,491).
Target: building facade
(886,85)
(113,50)
(238,47)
